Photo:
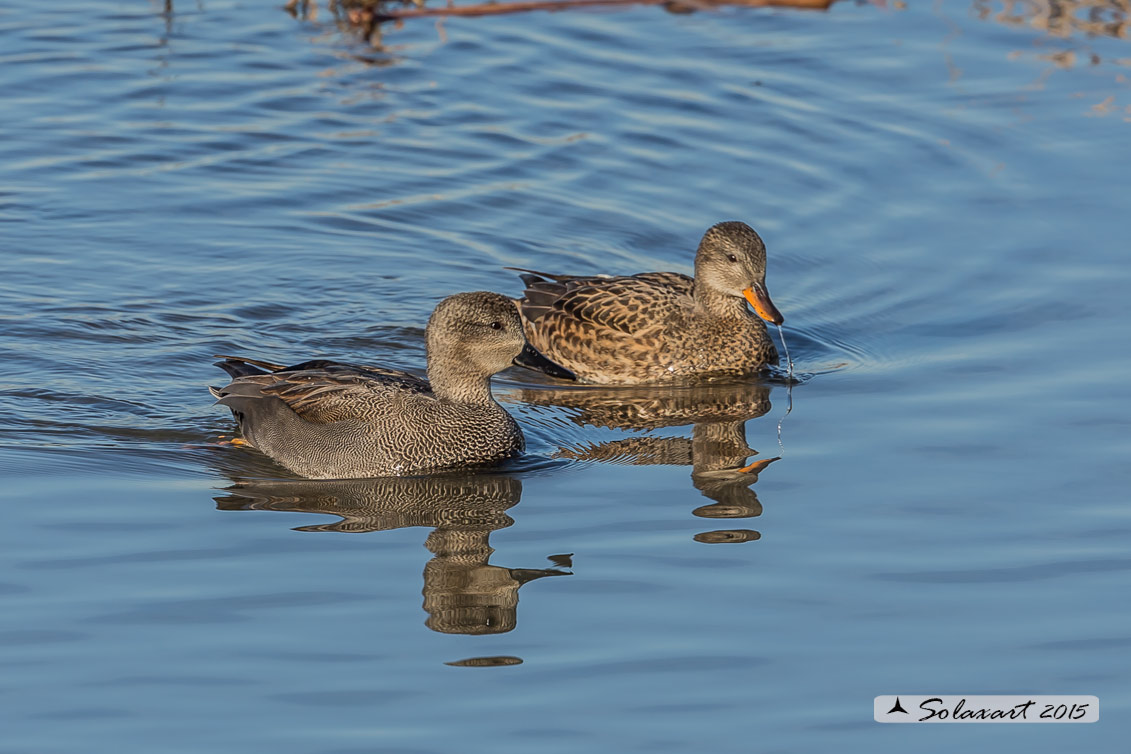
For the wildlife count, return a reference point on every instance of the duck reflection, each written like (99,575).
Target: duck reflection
(1061,18)
(717,451)
(463,592)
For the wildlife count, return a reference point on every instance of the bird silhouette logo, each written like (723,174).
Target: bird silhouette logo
(898,708)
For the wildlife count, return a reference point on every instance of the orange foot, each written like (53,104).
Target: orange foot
(237,441)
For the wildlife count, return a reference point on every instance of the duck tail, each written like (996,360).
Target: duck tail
(533,276)
(237,366)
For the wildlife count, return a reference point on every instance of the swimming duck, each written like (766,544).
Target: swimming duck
(328,420)
(658,326)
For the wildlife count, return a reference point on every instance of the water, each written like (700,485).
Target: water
(943,193)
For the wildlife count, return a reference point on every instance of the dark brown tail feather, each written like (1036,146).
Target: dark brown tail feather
(238,368)
(545,276)
(541,291)
(264,365)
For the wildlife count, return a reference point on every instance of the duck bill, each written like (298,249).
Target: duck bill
(530,358)
(765,308)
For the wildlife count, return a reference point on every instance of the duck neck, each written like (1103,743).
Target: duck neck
(717,303)
(455,379)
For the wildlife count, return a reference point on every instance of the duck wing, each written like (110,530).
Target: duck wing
(629,304)
(682,284)
(319,391)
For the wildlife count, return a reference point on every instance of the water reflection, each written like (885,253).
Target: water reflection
(463,592)
(497,661)
(717,451)
(1058,18)
(1061,18)
(365,17)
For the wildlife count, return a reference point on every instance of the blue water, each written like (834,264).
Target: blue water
(943,192)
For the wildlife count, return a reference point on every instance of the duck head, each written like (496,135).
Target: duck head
(732,261)
(480,333)
(480,330)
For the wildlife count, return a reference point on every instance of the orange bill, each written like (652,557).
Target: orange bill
(760,300)
(758,466)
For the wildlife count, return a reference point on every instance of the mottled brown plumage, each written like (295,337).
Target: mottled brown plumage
(659,326)
(323,419)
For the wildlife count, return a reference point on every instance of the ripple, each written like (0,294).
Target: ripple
(942,195)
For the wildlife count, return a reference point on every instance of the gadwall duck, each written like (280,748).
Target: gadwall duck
(658,326)
(327,420)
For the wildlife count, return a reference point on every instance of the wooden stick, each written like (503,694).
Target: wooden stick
(524,6)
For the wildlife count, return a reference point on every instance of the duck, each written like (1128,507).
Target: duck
(658,327)
(330,420)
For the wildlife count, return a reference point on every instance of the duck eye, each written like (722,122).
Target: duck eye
(732,257)
(496,325)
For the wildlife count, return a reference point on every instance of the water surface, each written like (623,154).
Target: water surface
(942,189)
